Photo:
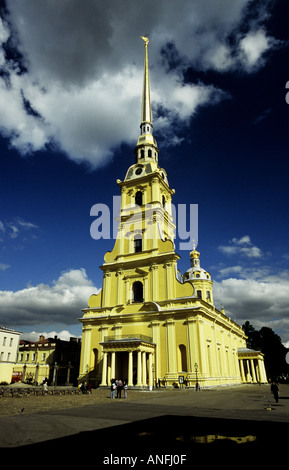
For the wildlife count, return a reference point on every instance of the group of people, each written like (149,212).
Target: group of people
(118,386)
(84,387)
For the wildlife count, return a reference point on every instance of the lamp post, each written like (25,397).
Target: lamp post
(153,374)
(196,369)
(54,380)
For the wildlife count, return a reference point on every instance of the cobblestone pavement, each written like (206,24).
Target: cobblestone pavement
(226,400)
(205,423)
(35,402)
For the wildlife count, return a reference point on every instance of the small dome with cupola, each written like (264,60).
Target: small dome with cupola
(195,271)
(199,277)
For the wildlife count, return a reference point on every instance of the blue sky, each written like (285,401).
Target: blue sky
(70,98)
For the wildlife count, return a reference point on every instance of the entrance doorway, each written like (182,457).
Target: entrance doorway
(121,366)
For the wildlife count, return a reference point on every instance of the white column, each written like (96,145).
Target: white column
(104,370)
(253,370)
(139,369)
(130,368)
(248,369)
(144,368)
(242,371)
(113,365)
(262,371)
(150,369)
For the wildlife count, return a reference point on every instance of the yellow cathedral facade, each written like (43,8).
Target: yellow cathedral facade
(149,325)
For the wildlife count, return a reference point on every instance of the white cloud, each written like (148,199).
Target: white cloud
(59,303)
(263,303)
(4,32)
(251,290)
(242,246)
(65,335)
(17,226)
(253,46)
(79,81)
(4,266)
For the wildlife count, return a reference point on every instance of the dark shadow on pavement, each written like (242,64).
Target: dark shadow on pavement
(195,438)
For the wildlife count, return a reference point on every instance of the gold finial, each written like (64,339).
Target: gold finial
(194,253)
(145,39)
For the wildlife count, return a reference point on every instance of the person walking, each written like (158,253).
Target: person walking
(45,387)
(119,386)
(125,390)
(275,391)
(112,389)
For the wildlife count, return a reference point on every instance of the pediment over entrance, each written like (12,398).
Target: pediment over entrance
(135,273)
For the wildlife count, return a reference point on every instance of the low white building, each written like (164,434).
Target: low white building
(9,344)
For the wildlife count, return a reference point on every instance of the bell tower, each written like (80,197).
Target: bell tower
(146,230)
(147,323)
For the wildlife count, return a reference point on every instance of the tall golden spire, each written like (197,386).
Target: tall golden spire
(146,116)
(146,149)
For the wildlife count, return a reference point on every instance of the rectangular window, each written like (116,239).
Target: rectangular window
(137,245)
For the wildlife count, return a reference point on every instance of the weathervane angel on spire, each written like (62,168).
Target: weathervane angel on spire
(146,39)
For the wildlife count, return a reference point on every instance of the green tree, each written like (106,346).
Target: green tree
(253,341)
(270,344)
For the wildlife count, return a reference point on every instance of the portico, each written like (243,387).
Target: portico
(130,358)
(252,366)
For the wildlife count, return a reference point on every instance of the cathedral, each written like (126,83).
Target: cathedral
(149,325)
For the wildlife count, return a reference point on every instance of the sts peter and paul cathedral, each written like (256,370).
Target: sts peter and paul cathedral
(148,324)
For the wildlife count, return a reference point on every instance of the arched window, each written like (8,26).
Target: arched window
(199,294)
(149,153)
(164,201)
(138,198)
(142,153)
(95,351)
(137,291)
(183,358)
(137,243)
